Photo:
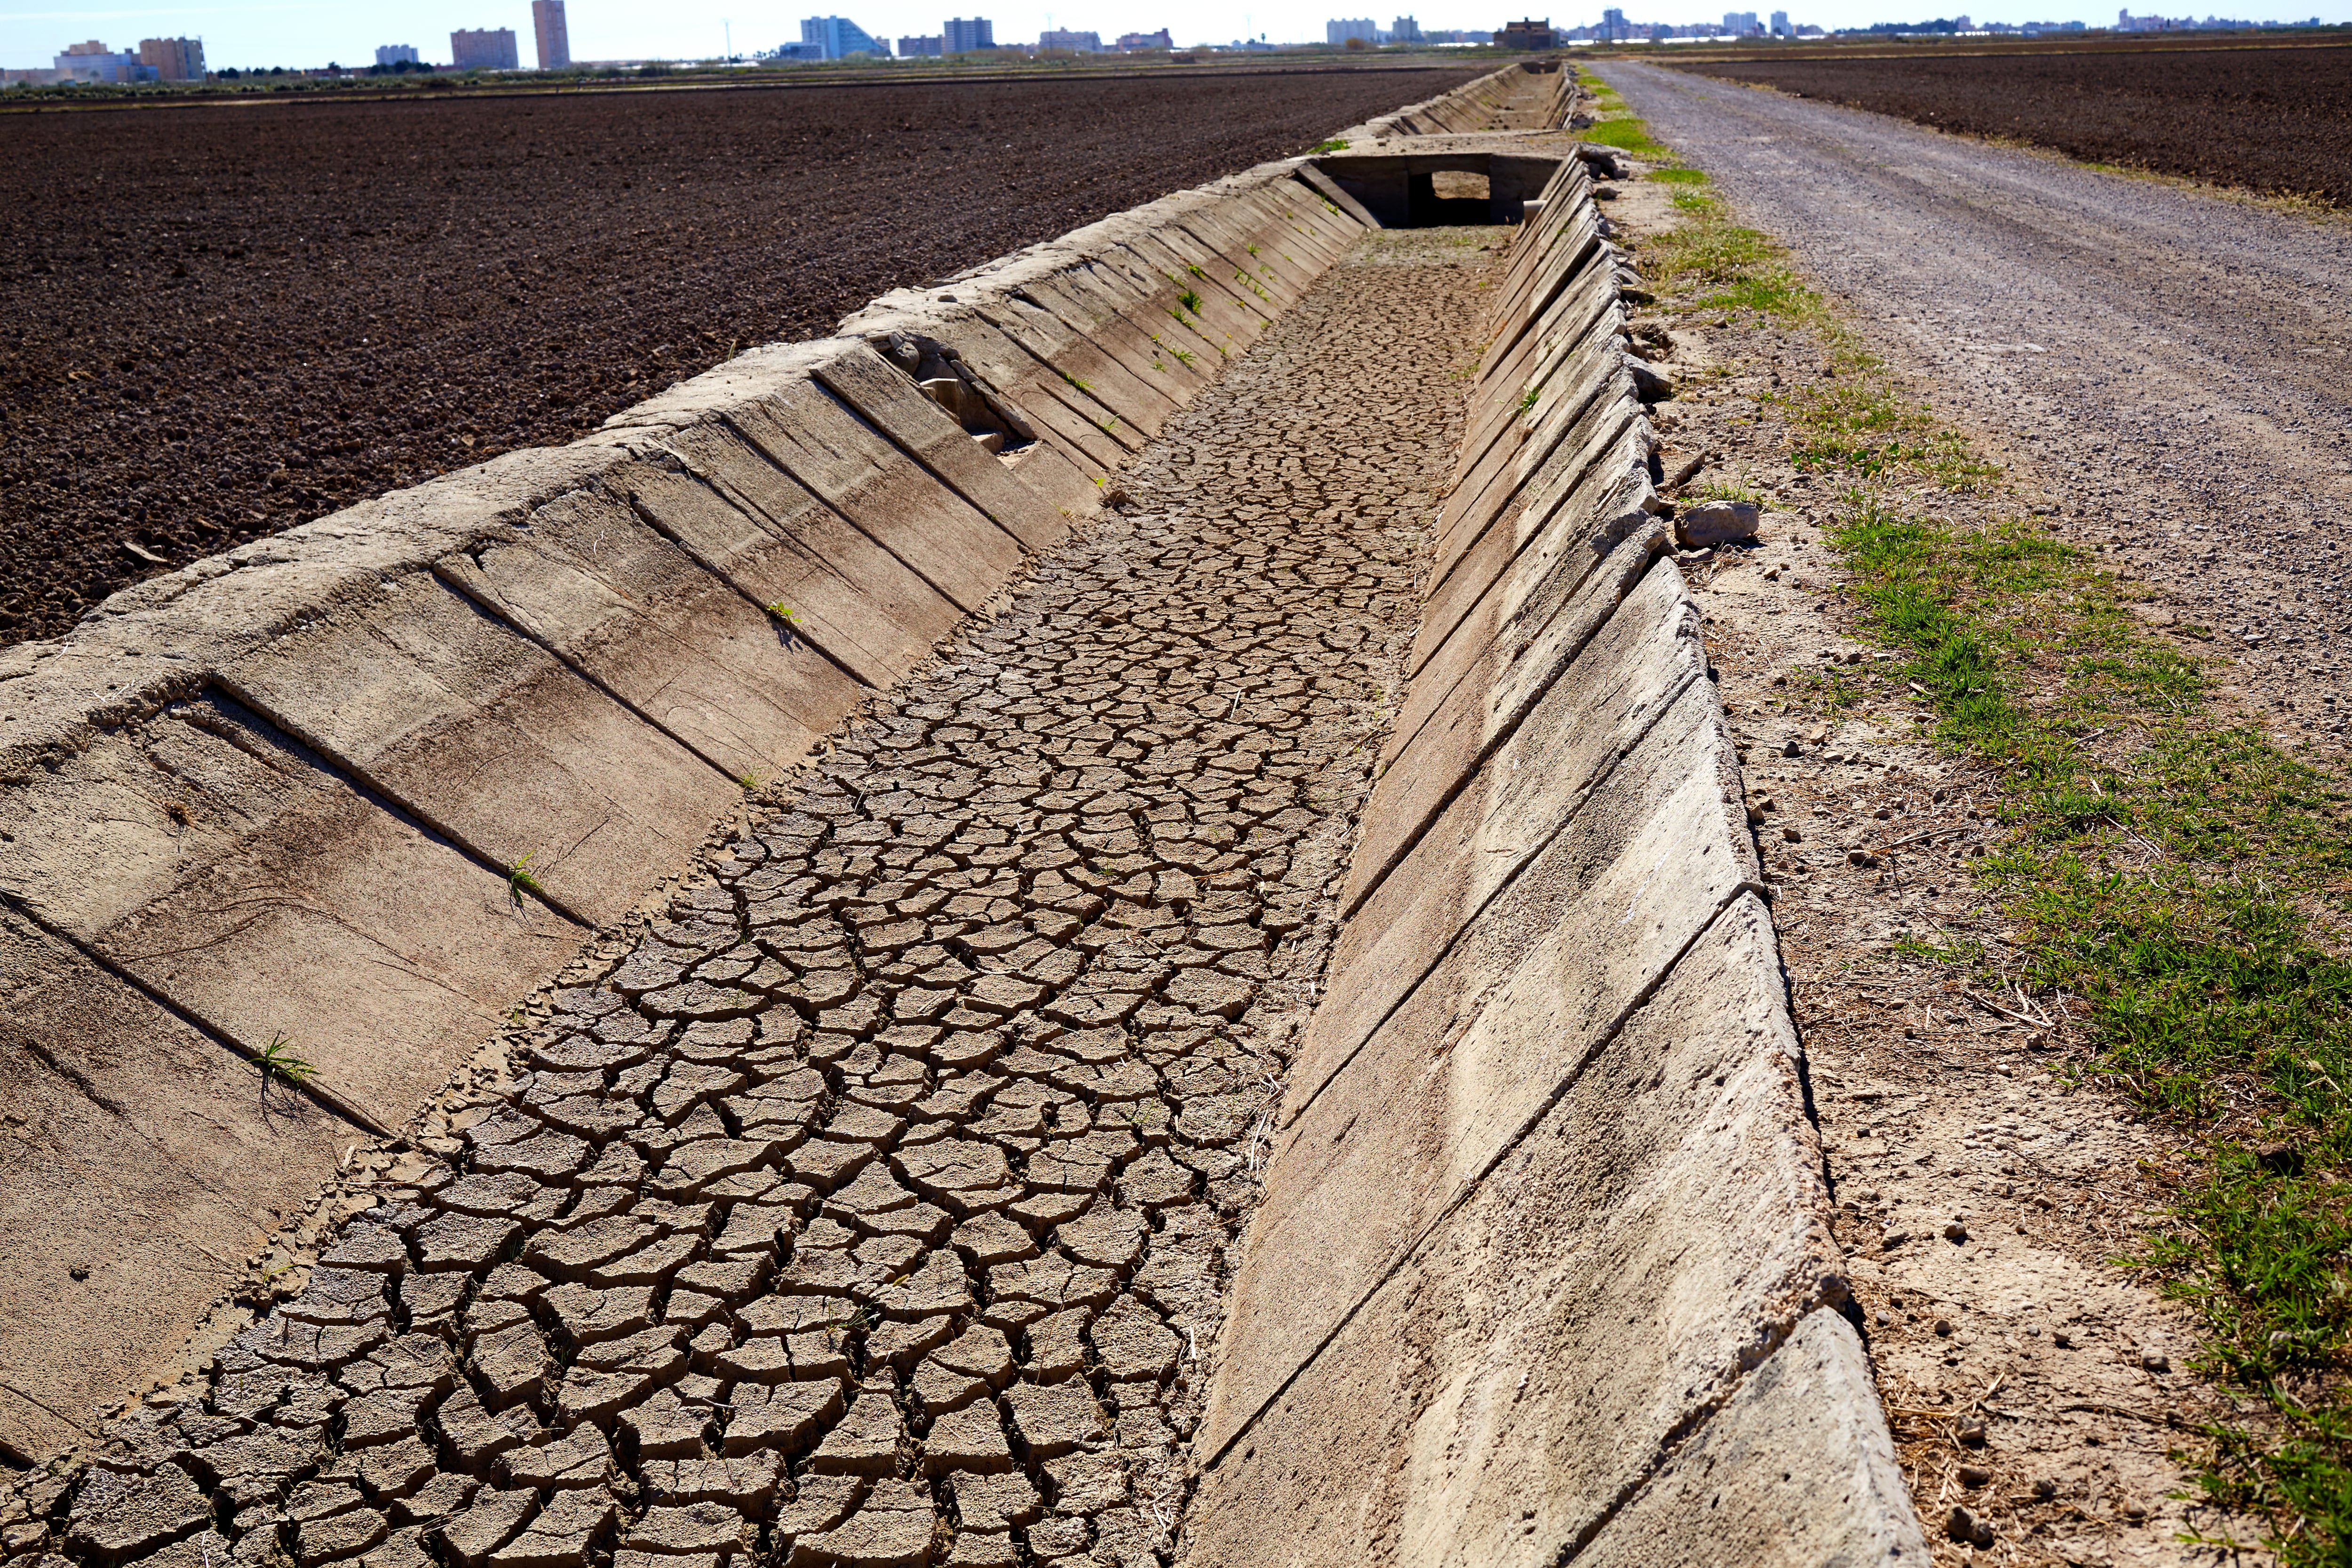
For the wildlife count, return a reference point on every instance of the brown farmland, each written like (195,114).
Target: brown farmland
(2273,120)
(220,322)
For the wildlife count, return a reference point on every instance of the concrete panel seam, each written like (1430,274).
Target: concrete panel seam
(1502,733)
(753,442)
(1503,884)
(645,515)
(312,1090)
(1687,1430)
(1405,1254)
(976,503)
(457,582)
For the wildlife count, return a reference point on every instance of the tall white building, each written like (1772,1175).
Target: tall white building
(174,59)
(484,48)
(554,38)
(391,55)
(965,34)
(840,37)
(1347,27)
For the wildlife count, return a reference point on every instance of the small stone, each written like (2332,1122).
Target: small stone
(1714,522)
(1974,1475)
(1943,1328)
(1972,1434)
(2153,1359)
(2044,1489)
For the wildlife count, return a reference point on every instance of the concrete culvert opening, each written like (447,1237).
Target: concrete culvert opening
(1426,190)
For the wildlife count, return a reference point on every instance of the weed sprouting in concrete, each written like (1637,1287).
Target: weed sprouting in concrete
(1334,145)
(278,1061)
(521,881)
(1190,300)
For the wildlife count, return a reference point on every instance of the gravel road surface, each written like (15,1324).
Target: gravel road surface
(871,1211)
(2170,365)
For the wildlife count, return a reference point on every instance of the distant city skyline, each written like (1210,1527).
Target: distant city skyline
(248,33)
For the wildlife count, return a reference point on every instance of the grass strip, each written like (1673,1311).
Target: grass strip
(2177,881)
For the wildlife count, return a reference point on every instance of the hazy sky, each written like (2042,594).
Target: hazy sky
(273,32)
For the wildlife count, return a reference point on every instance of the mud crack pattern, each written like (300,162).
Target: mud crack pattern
(874,1209)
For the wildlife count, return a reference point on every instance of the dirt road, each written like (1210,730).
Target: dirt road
(2170,366)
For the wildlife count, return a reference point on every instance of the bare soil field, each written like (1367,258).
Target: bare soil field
(2270,120)
(218,321)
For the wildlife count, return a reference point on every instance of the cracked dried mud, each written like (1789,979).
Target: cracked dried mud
(871,1208)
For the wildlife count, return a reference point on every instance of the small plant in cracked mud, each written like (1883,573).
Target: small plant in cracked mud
(521,881)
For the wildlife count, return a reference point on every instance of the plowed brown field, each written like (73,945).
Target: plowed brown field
(2275,120)
(219,321)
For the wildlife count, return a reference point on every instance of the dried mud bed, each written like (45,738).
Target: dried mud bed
(872,1207)
(2273,120)
(221,322)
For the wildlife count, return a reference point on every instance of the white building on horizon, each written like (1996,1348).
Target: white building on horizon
(554,36)
(838,37)
(484,48)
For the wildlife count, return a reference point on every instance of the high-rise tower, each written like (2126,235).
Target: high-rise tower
(554,38)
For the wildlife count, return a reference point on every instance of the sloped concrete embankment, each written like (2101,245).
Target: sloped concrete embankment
(350,792)
(1525,95)
(1542,1269)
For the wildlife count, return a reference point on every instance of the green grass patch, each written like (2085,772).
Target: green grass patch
(2182,876)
